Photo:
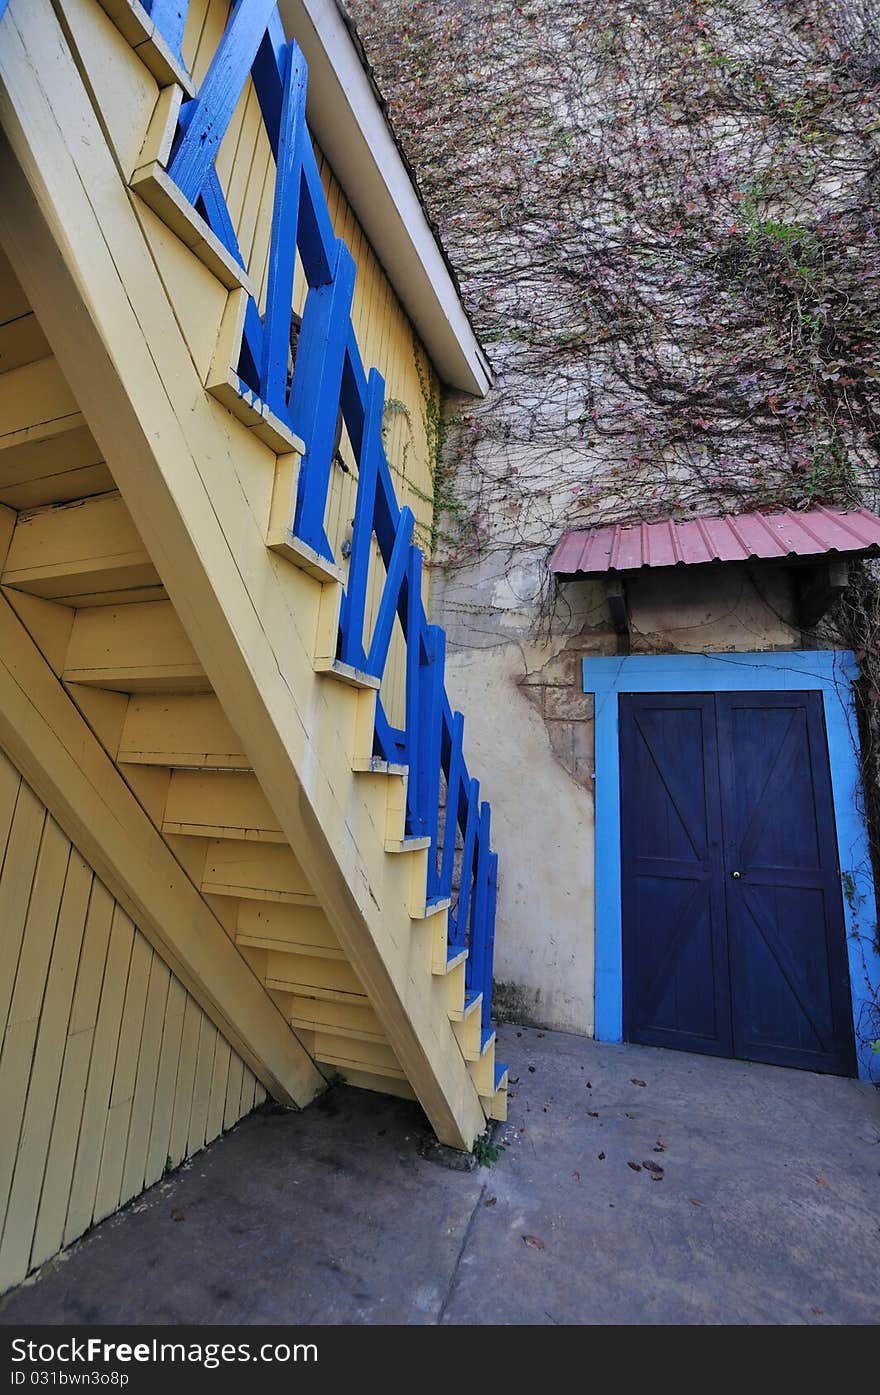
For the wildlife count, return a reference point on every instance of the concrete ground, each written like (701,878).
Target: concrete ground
(767,1208)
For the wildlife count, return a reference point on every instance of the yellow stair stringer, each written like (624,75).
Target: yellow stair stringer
(198,482)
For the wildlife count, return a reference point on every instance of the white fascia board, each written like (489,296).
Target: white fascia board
(350,127)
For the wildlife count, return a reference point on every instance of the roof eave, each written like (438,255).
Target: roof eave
(351,128)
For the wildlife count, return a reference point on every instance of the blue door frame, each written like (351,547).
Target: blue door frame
(830,672)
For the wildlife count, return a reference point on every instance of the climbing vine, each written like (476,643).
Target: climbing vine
(665,219)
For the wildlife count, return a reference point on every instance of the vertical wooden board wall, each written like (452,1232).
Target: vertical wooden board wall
(109,1070)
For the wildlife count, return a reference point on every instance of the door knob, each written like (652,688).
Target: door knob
(736,876)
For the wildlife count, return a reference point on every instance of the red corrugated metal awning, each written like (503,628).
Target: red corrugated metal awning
(728,538)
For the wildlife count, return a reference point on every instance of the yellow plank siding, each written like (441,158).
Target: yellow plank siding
(101,1043)
(183,1094)
(49,1231)
(100,1080)
(26,997)
(232,1107)
(135,1167)
(198,1119)
(166,1081)
(45,1070)
(217,1099)
(119,1117)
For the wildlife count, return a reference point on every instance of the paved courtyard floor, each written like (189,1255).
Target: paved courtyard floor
(637,1186)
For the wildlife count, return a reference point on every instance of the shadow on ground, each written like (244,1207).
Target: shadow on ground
(764,1208)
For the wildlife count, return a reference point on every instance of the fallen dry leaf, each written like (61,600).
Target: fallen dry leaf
(534,1242)
(178,1216)
(576,1176)
(659,1146)
(822,1181)
(635,1166)
(820,1312)
(651,1166)
(693,1201)
(491,1202)
(593,1113)
(635,1081)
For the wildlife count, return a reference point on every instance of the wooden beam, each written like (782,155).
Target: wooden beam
(62,760)
(615,594)
(817,590)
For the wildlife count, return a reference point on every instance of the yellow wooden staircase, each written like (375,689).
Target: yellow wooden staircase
(294,833)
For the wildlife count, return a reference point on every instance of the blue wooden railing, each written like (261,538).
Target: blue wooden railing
(329,377)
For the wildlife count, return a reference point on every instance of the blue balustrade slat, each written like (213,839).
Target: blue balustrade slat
(398,566)
(354,600)
(268,76)
(282,250)
(205,118)
(454,774)
(169,17)
(317,238)
(467,862)
(412,634)
(315,394)
(329,379)
(489,956)
(474,968)
(431,724)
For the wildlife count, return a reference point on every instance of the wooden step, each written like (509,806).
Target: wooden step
(47,453)
(483,1068)
(342,1019)
(293,929)
(374,765)
(468,1028)
(256,871)
(306,976)
(455,990)
(347,1053)
(189,730)
(140,648)
(22,341)
(346,673)
(51,465)
(35,401)
(220,804)
(495,1104)
(407,844)
(82,553)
